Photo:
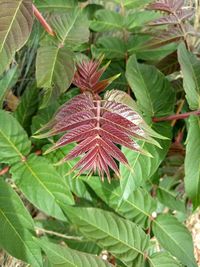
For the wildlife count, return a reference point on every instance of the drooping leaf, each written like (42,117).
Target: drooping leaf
(122,238)
(16,19)
(14,141)
(153,91)
(27,107)
(190,67)
(138,207)
(163,259)
(16,226)
(42,185)
(192,161)
(174,237)
(72,27)
(5,83)
(58,5)
(66,257)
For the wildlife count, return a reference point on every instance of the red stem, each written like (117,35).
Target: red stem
(42,21)
(4,170)
(176,116)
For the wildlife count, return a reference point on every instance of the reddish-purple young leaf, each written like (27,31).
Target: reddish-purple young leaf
(96,129)
(175,18)
(167,5)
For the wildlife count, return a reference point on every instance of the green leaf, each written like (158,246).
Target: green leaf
(141,166)
(16,19)
(163,259)
(66,257)
(54,68)
(138,207)
(192,161)
(15,227)
(133,3)
(5,83)
(122,238)
(42,185)
(14,141)
(190,67)
(153,91)
(107,20)
(168,196)
(110,47)
(27,107)
(58,5)
(137,19)
(174,237)
(72,27)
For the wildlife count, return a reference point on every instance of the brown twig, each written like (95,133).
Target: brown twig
(176,116)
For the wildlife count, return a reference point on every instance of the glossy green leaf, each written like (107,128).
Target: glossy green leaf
(107,20)
(153,91)
(16,19)
(138,207)
(5,83)
(42,185)
(66,257)
(174,237)
(190,67)
(192,161)
(27,107)
(163,259)
(14,141)
(58,5)
(121,237)
(72,27)
(16,226)
(54,68)
(141,166)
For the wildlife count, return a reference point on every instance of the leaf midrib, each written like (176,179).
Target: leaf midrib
(170,237)
(10,26)
(12,144)
(12,227)
(109,234)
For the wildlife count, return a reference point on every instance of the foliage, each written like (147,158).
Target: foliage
(92,90)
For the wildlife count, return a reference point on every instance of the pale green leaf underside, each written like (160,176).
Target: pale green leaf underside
(16,19)
(61,256)
(42,185)
(15,223)
(138,207)
(122,238)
